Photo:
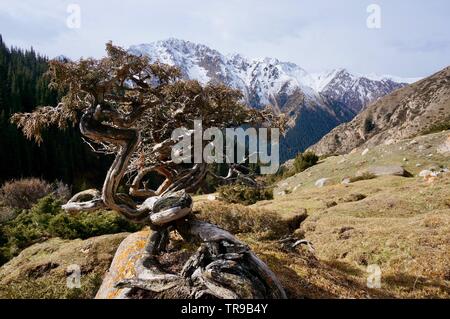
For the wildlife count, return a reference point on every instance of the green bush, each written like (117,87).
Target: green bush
(47,206)
(4,251)
(245,195)
(4,255)
(65,226)
(304,161)
(369,126)
(46,219)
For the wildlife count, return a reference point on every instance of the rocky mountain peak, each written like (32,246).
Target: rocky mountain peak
(405,113)
(314,102)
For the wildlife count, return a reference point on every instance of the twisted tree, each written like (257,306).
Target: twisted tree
(129,107)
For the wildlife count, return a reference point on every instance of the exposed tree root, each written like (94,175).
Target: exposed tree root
(222,267)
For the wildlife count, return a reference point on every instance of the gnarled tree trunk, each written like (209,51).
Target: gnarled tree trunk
(222,266)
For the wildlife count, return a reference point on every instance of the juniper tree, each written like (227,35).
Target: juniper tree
(126,106)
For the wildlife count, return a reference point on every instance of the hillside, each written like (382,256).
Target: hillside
(350,226)
(63,156)
(405,113)
(40,271)
(378,221)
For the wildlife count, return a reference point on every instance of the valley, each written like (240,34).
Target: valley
(375,203)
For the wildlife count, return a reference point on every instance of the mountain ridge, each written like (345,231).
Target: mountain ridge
(315,80)
(314,103)
(402,114)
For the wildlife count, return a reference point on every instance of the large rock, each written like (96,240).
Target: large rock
(123,267)
(393,170)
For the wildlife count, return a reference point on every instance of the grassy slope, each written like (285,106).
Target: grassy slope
(403,224)
(39,272)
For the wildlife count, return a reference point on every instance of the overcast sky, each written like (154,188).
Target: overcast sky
(414,38)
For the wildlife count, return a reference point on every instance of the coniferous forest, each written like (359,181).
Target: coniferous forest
(62,156)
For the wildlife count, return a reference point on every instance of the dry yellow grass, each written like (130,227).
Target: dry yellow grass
(39,272)
(402,225)
(413,255)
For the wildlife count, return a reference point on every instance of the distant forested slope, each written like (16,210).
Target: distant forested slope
(62,156)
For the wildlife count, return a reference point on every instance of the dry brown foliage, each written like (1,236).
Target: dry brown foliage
(24,193)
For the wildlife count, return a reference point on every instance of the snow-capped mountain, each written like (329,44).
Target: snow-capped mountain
(357,91)
(407,113)
(314,103)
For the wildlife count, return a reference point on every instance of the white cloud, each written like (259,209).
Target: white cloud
(316,34)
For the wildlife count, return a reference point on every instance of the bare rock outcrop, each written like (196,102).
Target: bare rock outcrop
(403,114)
